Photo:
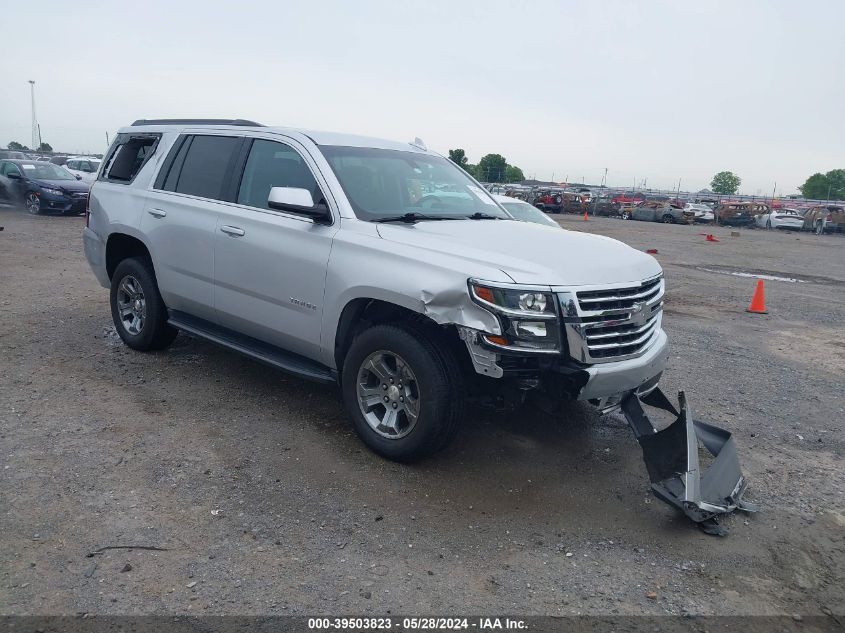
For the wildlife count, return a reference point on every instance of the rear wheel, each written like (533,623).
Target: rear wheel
(32,202)
(403,390)
(668,219)
(137,309)
(625,215)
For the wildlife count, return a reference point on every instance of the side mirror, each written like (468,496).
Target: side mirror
(78,177)
(13,176)
(297,200)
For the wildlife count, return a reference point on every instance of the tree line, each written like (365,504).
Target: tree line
(18,147)
(491,167)
(829,186)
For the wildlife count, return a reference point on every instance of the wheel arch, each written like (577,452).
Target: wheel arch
(364,312)
(120,246)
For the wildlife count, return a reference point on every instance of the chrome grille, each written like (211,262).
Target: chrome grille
(605,324)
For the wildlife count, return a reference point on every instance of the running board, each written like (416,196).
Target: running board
(255,349)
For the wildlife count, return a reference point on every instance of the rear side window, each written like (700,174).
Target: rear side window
(201,166)
(128,155)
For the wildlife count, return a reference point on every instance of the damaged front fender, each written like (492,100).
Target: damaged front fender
(671,456)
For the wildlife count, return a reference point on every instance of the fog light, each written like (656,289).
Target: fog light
(530,329)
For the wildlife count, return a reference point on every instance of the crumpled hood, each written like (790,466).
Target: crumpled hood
(529,253)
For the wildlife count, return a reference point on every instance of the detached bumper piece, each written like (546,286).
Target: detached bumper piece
(671,457)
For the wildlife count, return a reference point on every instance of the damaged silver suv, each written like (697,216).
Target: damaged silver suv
(378,265)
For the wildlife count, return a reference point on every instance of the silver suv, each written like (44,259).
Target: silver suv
(378,265)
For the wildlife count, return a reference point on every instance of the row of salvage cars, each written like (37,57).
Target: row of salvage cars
(825,218)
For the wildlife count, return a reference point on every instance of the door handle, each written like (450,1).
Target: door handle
(157,213)
(232,230)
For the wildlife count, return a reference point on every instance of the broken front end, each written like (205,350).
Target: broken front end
(606,345)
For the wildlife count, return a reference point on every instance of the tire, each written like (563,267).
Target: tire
(625,215)
(433,389)
(134,293)
(32,203)
(667,219)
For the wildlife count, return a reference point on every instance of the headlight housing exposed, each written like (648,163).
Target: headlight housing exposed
(528,316)
(52,192)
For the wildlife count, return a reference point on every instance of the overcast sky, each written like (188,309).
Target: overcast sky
(650,89)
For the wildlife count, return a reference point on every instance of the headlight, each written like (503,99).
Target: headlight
(52,192)
(528,316)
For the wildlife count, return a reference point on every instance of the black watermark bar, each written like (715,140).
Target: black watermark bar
(272,624)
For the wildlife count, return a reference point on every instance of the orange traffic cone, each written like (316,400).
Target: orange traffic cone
(586,218)
(758,301)
(710,238)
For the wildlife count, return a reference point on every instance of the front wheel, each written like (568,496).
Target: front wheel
(137,309)
(32,202)
(668,219)
(403,390)
(626,215)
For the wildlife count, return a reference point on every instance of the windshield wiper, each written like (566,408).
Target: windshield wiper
(412,218)
(478,215)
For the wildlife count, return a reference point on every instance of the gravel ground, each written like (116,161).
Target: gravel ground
(262,501)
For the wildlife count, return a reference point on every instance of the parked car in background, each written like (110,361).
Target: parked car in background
(42,187)
(703,213)
(656,211)
(84,167)
(824,218)
(740,213)
(779,219)
(4,153)
(603,205)
(524,212)
(632,197)
(58,160)
(43,159)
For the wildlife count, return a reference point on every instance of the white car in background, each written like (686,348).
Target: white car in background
(83,166)
(787,219)
(524,212)
(703,213)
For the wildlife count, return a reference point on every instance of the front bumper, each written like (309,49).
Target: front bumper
(641,374)
(63,204)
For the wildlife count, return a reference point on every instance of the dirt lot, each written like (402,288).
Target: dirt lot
(263,501)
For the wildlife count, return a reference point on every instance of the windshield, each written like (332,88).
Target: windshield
(526,213)
(381,183)
(47,171)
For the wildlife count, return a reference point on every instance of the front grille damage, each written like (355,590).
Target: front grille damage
(671,458)
(612,324)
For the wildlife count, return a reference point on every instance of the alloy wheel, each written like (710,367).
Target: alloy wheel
(33,203)
(388,394)
(131,305)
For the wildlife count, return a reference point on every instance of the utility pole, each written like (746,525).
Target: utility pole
(773,192)
(34,120)
(107,139)
(604,178)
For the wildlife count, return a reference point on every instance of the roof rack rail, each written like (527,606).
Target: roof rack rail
(242,122)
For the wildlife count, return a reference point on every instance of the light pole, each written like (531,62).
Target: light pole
(34,120)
